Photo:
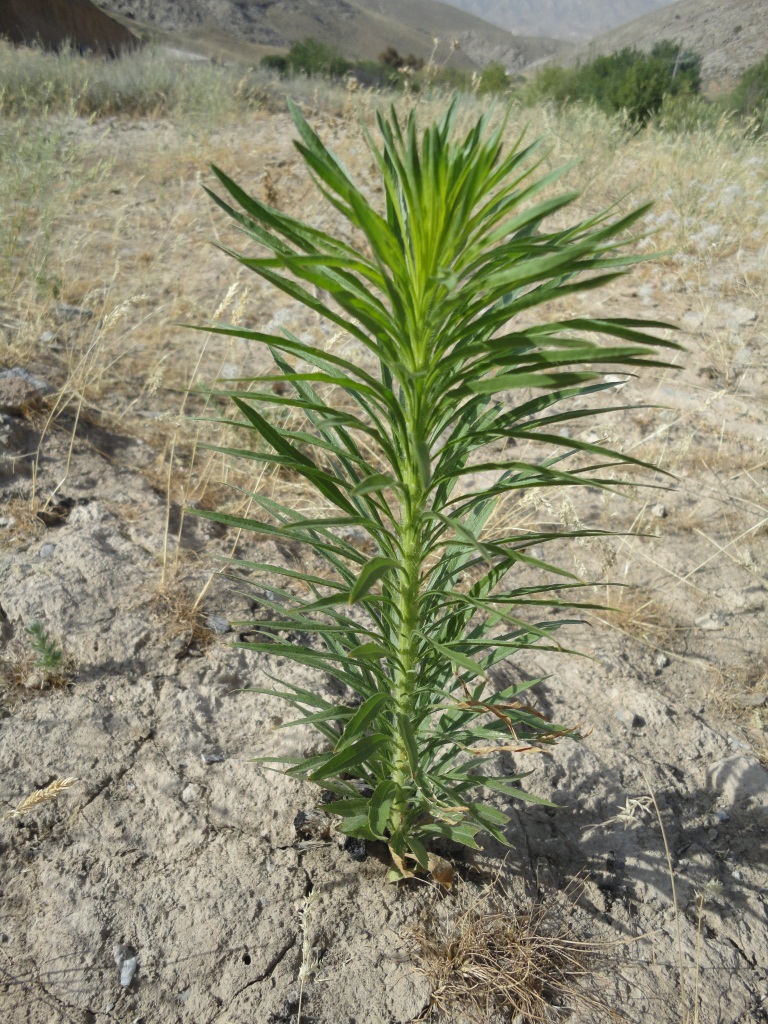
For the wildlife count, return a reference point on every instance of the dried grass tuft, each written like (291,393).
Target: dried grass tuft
(40,796)
(484,954)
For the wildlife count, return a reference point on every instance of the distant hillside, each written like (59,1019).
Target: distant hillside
(55,23)
(730,35)
(357,28)
(574,20)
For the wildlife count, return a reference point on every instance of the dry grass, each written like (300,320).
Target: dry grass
(487,951)
(639,614)
(40,796)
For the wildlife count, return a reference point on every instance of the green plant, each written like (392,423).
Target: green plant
(494,79)
(750,98)
(49,655)
(311,57)
(413,618)
(630,81)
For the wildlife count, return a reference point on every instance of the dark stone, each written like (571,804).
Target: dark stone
(356,848)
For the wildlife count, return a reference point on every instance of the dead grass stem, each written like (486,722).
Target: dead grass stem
(483,952)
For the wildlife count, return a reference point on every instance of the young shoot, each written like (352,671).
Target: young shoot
(421,600)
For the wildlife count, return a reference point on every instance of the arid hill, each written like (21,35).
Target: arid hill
(357,28)
(730,35)
(57,23)
(574,20)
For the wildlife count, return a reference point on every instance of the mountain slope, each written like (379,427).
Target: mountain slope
(56,23)
(357,28)
(561,19)
(730,35)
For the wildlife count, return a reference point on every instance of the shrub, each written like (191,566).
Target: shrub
(446,77)
(311,57)
(750,98)
(630,81)
(494,79)
(275,62)
(390,58)
(421,599)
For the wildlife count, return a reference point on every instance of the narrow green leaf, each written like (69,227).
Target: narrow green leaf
(380,806)
(419,851)
(374,482)
(348,808)
(349,757)
(373,571)
(405,730)
(365,715)
(464,833)
(370,652)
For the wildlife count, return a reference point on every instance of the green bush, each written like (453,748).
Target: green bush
(629,82)
(750,98)
(685,113)
(494,79)
(447,77)
(275,62)
(376,75)
(311,57)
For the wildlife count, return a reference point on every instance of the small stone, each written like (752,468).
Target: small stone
(46,337)
(191,793)
(63,311)
(692,320)
(212,758)
(659,511)
(128,970)
(739,780)
(217,623)
(736,875)
(312,825)
(126,959)
(661,661)
(741,316)
(47,550)
(751,700)
(712,835)
(721,814)
(20,390)
(355,848)
(7,520)
(630,719)
(710,621)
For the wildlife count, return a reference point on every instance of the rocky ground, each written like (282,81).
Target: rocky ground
(169,882)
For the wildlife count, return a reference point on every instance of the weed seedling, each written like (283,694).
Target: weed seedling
(455,405)
(49,656)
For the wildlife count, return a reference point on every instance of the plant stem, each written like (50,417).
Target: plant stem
(407,646)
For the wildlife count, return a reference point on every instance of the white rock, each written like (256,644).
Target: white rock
(739,780)
(741,316)
(128,970)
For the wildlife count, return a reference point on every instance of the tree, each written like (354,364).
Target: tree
(311,57)
(751,95)
(494,79)
(628,81)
